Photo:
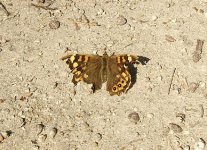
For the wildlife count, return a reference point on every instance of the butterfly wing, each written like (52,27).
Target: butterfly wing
(87,68)
(118,76)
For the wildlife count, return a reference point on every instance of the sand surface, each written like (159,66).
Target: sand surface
(41,109)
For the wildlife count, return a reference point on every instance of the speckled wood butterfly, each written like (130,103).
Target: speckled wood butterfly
(95,70)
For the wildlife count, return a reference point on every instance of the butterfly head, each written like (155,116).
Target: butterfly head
(105,54)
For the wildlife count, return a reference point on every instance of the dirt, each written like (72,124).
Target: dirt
(41,109)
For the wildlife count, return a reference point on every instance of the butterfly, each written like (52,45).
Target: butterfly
(95,70)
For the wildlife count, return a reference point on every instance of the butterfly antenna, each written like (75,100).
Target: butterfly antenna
(105,53)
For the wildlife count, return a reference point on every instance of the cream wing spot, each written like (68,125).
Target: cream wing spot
(126,78)
(80,58)
(129,58)
(72,58)
(123,60)
(118,60)
(74,70)
(75,65)
(78,73)
(118,76)
(86,59)
(78,79)
(123,74)
(84,68)
(85,76)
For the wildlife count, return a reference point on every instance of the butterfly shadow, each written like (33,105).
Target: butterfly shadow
(133,70)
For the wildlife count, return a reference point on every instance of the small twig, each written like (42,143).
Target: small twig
(4,8)
(199,45)
(202,110)
(198,51)
(171,81)
(43,7)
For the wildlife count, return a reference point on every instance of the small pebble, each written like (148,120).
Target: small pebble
(53,132)
(147,79)
(149,89)
(203,85)
(181,116)
(6,134)
(132,28)
(159,147)
(94,145)
(154,18)
(127,27)
(42,137)
(39,128)
(54,24)
(98,136)
(3,40)
(205,14)
(75,9)
(165,131)
(121,20)
(150,115)
(196,56)
(1,100)
(187,147)
(169,38)
(37,41)
(95,52)
(92,4)
(175,128)
(159,78)
(100,11)
(186,132)
(36,147)
(200,144)
(41,1)
(193,87)
(109,43)
(1,138)
(179,148)
(134,117)
(201,11)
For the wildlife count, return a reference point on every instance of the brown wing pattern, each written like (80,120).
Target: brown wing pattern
(118,76)
(87,68)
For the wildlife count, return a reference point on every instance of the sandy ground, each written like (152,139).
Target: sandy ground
(41,109)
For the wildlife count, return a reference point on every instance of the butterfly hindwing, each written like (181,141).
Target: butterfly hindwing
(118,76)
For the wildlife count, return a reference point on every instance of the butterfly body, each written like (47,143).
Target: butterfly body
(95,70)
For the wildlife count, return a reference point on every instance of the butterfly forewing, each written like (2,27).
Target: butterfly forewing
(86,68)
